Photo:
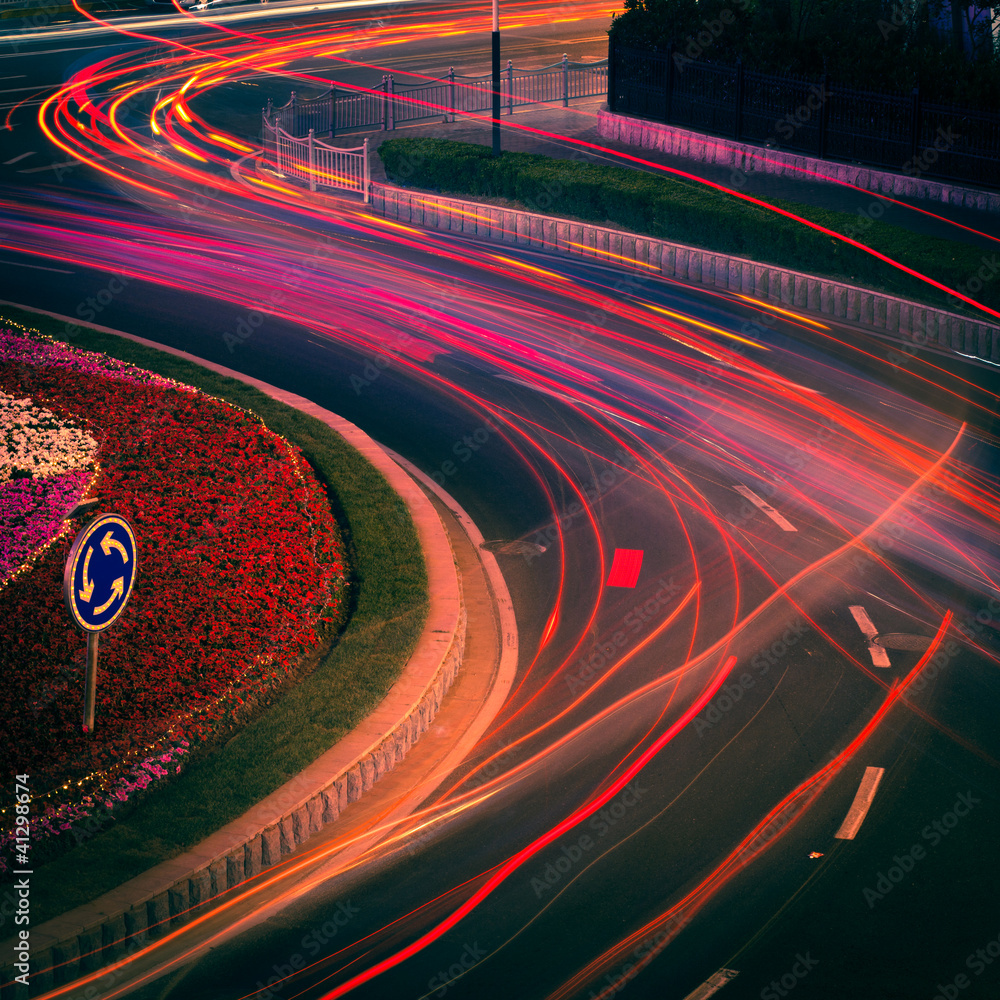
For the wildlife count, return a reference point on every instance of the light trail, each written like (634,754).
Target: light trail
(575,380)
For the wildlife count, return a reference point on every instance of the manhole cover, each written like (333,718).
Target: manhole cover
(516,548)
(905,640)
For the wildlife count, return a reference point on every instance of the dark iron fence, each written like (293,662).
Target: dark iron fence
(897,132)
(387,105)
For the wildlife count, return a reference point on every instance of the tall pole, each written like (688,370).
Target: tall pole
(90,695)
(496,77)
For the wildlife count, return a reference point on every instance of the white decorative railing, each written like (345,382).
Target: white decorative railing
(318,163)
(385,105)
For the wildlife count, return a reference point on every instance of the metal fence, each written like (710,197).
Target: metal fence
(387,105)
(831,121)
(318,163)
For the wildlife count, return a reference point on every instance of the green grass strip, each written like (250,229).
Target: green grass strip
(389,582)
(682,211)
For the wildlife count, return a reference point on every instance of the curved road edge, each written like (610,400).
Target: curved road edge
(167,895)
(890,317)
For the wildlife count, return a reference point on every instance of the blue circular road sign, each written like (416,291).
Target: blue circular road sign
(100,572)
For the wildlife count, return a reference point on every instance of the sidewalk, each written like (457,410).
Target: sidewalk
(579,121)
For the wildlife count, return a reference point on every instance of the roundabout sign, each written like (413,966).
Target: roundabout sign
(100,572)
(97,583)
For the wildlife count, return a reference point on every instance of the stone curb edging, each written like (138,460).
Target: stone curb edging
(911,322)
(150,905)
(704,148)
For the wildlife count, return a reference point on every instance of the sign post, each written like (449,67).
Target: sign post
(97,583)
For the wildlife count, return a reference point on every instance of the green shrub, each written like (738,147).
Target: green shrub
(683,211)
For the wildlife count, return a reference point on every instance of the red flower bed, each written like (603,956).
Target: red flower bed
(240,570)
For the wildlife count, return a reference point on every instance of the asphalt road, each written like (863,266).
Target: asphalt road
(573,418)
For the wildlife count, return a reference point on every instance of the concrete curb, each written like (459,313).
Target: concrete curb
(150,905)
(910,322)
(742,156)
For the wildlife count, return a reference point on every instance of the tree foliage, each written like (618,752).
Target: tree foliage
(870,44)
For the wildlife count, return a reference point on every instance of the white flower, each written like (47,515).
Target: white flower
(35,441)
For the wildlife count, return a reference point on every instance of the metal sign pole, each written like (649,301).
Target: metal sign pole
(98,579)
(367,177)
(495,39)
(90,697)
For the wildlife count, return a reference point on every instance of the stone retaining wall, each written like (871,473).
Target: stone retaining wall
(742,156)
(62,952)
(899,319)
(96,935)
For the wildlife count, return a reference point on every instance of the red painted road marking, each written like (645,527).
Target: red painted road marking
(625,568)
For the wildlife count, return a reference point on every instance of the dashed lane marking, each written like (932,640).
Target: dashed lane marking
(861,804)
(713,984)
(878,654)
(761,503)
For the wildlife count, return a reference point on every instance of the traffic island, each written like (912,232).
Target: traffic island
(406,632)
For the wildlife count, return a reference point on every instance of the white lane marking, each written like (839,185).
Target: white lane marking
(713,984)
(51,166)
(757,501)
(879,656)
(48,52)
(7,163)
(975,357)
(861,804)
(19,76)
(37,267)
(72,29)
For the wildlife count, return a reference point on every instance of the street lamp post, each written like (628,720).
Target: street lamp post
(496,77)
